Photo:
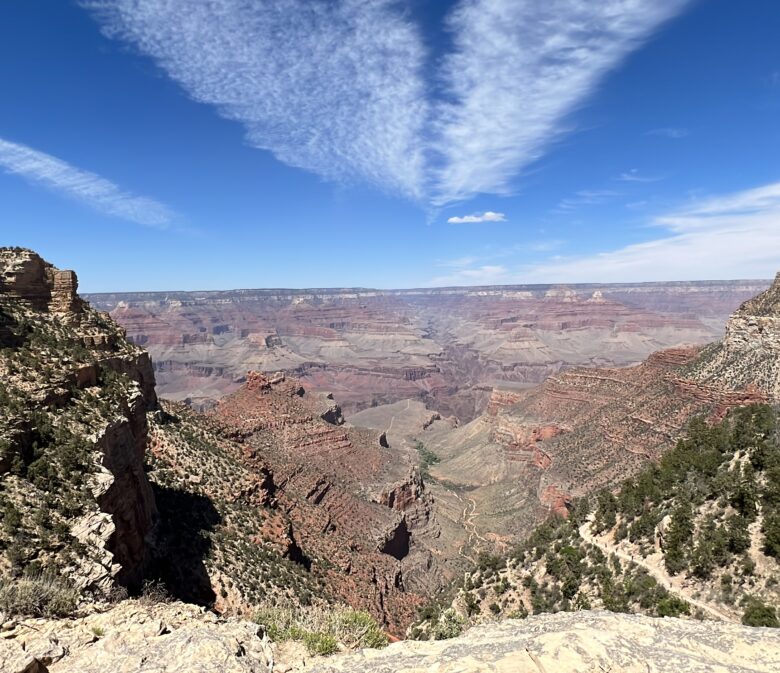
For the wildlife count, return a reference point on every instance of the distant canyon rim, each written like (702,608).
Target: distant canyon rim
(445,347)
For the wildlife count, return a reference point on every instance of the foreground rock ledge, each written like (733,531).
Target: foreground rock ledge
(179,638)
(135,637)
(579,642)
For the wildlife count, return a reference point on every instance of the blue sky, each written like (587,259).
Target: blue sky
(298,143)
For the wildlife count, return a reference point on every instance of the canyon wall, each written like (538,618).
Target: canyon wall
(73,428)
(535,449)
(444,346)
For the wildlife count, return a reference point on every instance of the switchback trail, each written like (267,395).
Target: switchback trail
(658,573)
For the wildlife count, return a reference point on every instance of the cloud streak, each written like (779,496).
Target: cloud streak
(330,87)
(488,216)
(519,68)
(635,176)
(75,183)
(730,236)
(344,88)
(586,197)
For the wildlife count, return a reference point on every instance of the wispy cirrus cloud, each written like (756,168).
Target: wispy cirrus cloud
(518,69)
(487,216)
(84,186)
(729,236)
(635,176)
(586,197)
(340,88)
(330,87)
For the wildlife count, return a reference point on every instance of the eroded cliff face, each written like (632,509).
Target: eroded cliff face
(303,504)
(351,498)
(445,346)
(749,355)
(536,449)
(73,430)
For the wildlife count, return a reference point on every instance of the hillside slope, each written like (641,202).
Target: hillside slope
(534,450)
(696,534)
(74,395)
(295,506)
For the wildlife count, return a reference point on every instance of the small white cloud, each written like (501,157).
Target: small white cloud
(635,176)
(488,216)
(93,190)
(669,132)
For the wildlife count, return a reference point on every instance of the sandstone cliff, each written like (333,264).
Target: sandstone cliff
(749,355)
(73,432)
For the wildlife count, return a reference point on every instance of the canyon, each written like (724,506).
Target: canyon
(269,496)
(447,347)
(535,450)
(264,491)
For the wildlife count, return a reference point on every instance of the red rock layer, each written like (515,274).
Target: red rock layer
(320,473)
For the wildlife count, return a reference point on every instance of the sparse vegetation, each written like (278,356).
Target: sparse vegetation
(324,629)
(58,394)
(37,596)
(696,510)
(427,458)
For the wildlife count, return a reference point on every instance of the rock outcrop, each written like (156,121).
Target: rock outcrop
(177,638)
(350,498)
(749,355)
(579,642)
(304,506)
(73,429)
(135,637)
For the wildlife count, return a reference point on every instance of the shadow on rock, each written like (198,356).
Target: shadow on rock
(182,544)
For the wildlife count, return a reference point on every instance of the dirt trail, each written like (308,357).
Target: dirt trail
(469,514)
(672,584)
(392,420)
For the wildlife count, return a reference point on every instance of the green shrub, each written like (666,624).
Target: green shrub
(38,596)
(323,629)
(672,606)
(355,628)
(321,644)
(448,626)
(758,613)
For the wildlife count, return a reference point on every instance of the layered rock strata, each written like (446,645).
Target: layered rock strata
(445,346)
(73,428)
(536,449)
